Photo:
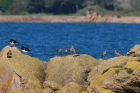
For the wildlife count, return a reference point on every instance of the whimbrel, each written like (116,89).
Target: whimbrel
(9,54)
(74,51)
(118,53)
(103,54)
(59,51)
(131,53)
(65,51)
(72,48)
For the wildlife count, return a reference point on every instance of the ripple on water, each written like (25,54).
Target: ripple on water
(43,39)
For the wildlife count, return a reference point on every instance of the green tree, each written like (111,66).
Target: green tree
(105,3)
(53,5)
(63,6)
(78,4)
(49,3)
(5,4)
(36,6)
(18,7)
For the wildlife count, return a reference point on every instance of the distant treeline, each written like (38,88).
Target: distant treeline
(62,6)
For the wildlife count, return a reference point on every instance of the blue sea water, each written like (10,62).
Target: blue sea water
(43,39)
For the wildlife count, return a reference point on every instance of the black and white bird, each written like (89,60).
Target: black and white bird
(25,49)
(9,54)
(118,53)
(13,42)
(103,54)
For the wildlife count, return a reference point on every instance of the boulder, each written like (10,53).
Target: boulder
(81,73)
(115,75)
(126,81)
(20,72)
(52,85)
(29,91)
(71,88)
(134,52)
(95,18)
(96,76)
(64,70)
(47,90)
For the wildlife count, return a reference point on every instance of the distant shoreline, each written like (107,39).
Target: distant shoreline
(43,19)
(66,19)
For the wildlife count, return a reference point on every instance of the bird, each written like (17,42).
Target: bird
(9,54)
(13,42)
(131,53)
(72,48)
(75,55)
(65,51)
(118,53)
(59,51)
(103,54)
(75,51)
(25,49)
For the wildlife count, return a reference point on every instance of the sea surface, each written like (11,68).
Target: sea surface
(43,39)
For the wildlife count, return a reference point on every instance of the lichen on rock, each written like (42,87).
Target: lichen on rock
(20,72)
(71,88)
(24,74)
(64,70)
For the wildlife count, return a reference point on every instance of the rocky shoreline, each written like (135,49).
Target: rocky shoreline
(82,74)
(71,19)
